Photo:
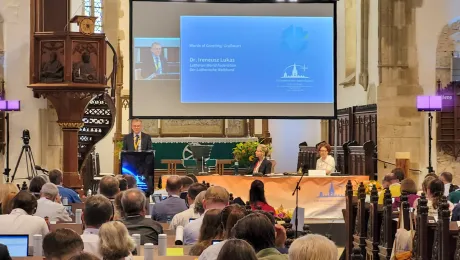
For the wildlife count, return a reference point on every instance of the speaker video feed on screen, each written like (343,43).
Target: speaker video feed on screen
(156,58)
(228,60)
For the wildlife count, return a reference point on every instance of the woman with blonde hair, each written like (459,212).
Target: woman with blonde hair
(115,243)
(7,192)
(313,247)
(261,164)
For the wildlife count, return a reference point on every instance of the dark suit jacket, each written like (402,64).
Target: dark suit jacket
(146,227)
(148,66)
(4,253)
(265,167)
(128,142)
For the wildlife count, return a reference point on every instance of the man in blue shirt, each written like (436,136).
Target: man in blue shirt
(56,177)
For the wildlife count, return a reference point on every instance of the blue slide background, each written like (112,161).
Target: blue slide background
(269,45)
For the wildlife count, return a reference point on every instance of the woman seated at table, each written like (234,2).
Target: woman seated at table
(325,161)
(261,164)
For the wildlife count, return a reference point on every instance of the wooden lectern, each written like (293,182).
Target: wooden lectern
(67,68)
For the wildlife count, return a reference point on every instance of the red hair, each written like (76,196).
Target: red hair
(325,145)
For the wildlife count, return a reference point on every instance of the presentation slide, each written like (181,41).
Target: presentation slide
(232,60)
(273,60)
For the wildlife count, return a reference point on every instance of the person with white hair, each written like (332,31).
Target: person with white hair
(313,247)
(47,205)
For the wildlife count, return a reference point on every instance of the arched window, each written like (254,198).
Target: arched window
(94,8)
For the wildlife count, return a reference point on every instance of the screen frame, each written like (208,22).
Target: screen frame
(131,71)
(19,235)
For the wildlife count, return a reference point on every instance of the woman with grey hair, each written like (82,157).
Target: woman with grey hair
(313,247)
(115,241)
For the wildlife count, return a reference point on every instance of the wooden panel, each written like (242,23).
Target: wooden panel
(448,124)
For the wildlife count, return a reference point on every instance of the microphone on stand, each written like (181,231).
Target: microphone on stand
(39,168)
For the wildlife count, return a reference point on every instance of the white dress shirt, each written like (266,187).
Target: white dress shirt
(54,211)
(90,239)
(212,251)
(18,222)
(327,164)
(192,231)
(446,189)
(183,218)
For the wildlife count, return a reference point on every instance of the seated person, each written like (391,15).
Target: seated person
(98,210)
(325,161)
(446,178)
(115,241)
(109,186)
(209,231)
(257,197)
(21,219)
(410,188)
(395,187)
(134,203)
(166,209)
(49,204)
(434,194)
(63,243)
(313,246)
(56,177)
(261,164)
(183,218)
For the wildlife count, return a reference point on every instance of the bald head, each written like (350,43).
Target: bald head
(174,185)
(109,187)
(133,202)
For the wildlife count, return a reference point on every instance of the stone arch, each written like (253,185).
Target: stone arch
(446,45)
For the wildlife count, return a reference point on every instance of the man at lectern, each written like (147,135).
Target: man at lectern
(137,140)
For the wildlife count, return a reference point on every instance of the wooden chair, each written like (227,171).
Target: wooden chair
(386,231)
(373,227)
(359,236)
(420,249)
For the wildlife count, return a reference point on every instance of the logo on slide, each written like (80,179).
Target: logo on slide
(332,193)
(292,72)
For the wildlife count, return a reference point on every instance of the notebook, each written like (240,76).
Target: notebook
(18,245)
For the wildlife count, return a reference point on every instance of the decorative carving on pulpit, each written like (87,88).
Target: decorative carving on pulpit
(85,62)
(52,59)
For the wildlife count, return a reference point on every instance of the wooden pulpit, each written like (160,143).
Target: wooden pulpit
(67,68)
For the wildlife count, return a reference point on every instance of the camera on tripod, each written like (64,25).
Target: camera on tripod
(25,136)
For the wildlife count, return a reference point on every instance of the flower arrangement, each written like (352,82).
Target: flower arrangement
(368,186)
(245,153)
(283,214)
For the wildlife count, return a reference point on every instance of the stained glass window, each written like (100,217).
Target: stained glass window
(94,8)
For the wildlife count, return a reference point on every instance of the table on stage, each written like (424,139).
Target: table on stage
(322,197)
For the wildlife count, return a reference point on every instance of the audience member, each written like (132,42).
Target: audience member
(216,197)
(229,216)
(118,214)
(166,209)
(258,231)
(7,206)
(209,231)
(63,244)
(313,247)
(109,186)
(98,210)
(431,174)
(410,188)
(115,241)
(434,193)
(199,202)
(237,249)
(35,186)
(84,256)
(446,178)
(395,187)
(257,197)
(4,253)
(133,203)
(132,183)
(426,183)
(47,205)
(122,183)
(186,182)
(56,177)
(193,177)
(399,173)
(20,220)
(183,218)
(6,189)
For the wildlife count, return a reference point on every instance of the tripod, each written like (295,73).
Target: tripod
(30,162)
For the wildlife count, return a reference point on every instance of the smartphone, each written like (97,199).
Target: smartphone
(156,198)
(68,208)
(214,241)
(191,219)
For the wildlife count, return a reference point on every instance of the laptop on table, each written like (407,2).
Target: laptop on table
(18,245)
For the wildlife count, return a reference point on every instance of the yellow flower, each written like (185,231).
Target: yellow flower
(251,158)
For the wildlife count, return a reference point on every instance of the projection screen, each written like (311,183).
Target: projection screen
(229,60)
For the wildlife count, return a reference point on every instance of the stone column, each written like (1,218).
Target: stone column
(118,136)
(400,125)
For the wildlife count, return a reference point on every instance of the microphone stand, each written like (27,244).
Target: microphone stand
(296,193)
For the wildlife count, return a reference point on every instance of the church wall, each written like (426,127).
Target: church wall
(16,36)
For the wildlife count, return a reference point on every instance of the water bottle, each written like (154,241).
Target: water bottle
(235,169)
(37,245)
(78,216)
(65,201)
(148,251)
(89,193)
(162,240)
(137,240)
